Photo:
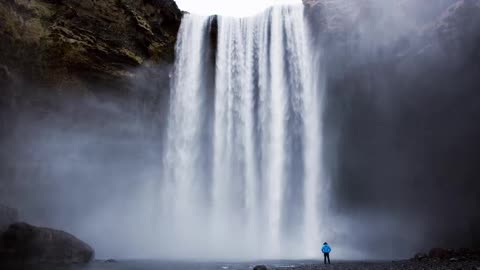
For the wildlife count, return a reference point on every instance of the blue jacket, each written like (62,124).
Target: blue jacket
(326,249)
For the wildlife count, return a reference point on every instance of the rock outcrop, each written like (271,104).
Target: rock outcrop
(58,41)
(84,52)
(260,267)
(24,243)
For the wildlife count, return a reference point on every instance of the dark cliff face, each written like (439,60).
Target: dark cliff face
(57,54)
(72,59)
(52,41)
(401,119)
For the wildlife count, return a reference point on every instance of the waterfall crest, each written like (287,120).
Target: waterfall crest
(243,170)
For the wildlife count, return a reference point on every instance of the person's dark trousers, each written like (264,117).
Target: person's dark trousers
(325,257)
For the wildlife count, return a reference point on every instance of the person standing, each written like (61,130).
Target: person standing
(326,249)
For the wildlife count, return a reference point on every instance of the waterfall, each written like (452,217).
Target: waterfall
(243,170)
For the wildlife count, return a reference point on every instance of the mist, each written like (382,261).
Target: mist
(401,107)
(86,164)
(400,145)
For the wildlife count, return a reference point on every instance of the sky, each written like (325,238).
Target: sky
(236,8)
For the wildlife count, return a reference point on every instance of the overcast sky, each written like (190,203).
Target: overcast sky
(237,8)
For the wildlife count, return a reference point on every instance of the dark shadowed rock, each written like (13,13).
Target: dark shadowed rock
(436,254)
(468,253)
(260,267)
(25,243)
(420,256)
(441,253)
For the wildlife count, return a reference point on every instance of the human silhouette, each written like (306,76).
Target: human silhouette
(326,249)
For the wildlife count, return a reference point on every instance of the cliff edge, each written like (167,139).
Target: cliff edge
(57,41)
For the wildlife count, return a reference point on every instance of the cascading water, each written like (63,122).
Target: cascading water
(243,158)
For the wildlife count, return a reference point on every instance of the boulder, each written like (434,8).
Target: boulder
(25,243)
(260,267)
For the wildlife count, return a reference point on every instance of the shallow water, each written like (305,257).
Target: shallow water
(162,265)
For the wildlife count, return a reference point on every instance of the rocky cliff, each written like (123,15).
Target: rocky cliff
(67,59)
(60,41)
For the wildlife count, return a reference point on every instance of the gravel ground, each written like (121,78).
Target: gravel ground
(395,265)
